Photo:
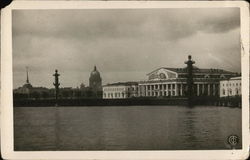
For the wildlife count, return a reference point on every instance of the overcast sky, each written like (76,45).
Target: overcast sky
(125,44)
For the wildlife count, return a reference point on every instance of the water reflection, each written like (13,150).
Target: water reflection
(189,118)
(125,128)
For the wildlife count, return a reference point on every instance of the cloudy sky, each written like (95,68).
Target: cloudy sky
(124,44)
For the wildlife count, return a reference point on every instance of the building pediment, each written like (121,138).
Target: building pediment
(162,74)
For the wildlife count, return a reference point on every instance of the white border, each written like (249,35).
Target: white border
(6,83)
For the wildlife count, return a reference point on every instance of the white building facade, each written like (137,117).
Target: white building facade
(120,90)
(170,82)
(230,87)
(173,82)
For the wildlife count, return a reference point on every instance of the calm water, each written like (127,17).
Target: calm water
(125,128)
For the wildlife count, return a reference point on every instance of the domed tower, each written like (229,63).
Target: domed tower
(95,82)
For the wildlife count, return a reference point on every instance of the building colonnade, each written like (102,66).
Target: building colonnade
(177,89)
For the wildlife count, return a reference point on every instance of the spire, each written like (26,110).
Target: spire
(95,68)
(27,80)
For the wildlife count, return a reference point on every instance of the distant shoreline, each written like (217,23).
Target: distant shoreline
(141,101)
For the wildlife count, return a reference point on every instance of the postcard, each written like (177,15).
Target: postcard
(125,80)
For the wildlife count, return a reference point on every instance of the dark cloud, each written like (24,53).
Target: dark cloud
(229,20)
(125,43)
(88,24)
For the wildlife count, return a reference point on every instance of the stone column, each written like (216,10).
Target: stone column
(181,89)
(159,91)
(176,89)
(198,89)
(150,90)
(162,89)
(167,88)
(171,89)
(208,89)
(214,89)
(138,92)
(203,88)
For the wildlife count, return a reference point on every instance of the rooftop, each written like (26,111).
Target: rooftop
(235,78)
(196,70)
(121,84)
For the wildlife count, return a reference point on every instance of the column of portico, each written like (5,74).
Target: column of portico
(176,89)
(208,89)
(144,91)
(198,91)
(203,88)
(181,89)
(139,90)
(150,88)
(162,89)
(171,89)
(213,89)
(167,89)
(159,90)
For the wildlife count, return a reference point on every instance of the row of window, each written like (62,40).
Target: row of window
(165,93)
(120,88)
(114,95)
(114,89)
(232,84)
(230,92)
(156,86)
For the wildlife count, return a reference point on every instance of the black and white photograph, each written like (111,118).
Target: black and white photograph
(127,79)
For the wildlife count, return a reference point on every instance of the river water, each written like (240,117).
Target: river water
(125,128)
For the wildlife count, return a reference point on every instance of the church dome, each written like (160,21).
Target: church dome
(95,81)
(95,75)
(28,86)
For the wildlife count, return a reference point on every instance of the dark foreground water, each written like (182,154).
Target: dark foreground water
(125,128)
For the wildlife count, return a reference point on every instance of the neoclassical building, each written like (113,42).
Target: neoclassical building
(120,90)
(230,87)
(166,82)
(173,82)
